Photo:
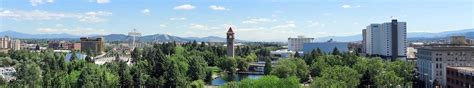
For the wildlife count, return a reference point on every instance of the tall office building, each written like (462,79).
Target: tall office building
(230,42)
(16,44)
(95,46)
(432,61)
(5,42)
(387,40)
(296,44)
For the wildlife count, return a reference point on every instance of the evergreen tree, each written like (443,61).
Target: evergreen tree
(335,51)
(208,76)
(197,68)
(268,66)
(73,56)
(297,54)
(136,54)
(124,73)
(89,59)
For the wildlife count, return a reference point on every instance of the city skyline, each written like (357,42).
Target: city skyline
(265,20)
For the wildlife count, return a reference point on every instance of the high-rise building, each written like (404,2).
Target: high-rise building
(387,40)
(230,42)
(296,44)
(432,61)
(7,43)
(16,44)
(364,41)
(94,46)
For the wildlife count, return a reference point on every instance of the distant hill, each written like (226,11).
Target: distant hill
(469,33)
(114,37)
(162,38)
(15,34)
(211,39)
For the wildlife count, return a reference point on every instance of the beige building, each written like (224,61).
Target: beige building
(296,44)
(458,40)
(7,43)
(95,46)
(432,61)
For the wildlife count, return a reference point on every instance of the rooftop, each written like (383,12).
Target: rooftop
(448,47)
(465,70)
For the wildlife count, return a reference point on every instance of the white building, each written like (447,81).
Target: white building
(7,73)
(282,53)
(296,44)
(432,61)
(387,39)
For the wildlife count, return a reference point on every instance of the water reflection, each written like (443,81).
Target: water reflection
(224,78)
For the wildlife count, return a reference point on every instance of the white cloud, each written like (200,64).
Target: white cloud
(103,1)
(198,27)
(163,25)
(214,7)
(350,6)
(94,17)
(346,6)
(88,17)
(316,24)
(178,18)
(39,2)
(284,26)
(258,20)
(184,7)
(146,12)
(75,31)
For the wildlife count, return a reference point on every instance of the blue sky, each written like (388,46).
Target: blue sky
(259,20)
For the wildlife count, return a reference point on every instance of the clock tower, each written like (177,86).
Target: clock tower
(230,42)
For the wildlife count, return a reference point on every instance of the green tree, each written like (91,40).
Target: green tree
(339,75)
(302,70)
(135,54)
(209,77)
(268,66)
(336,51)
(197,84)
(28,74)
(177,74)
(229,65)
(242,63)
(197,68)
(284,68)
(388,79)
(265,82)
(124,74)
(297,55)
(73,56)
(89,59)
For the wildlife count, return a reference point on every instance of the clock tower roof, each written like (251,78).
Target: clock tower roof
(230,30)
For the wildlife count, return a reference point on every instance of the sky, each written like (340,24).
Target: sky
(256,20)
